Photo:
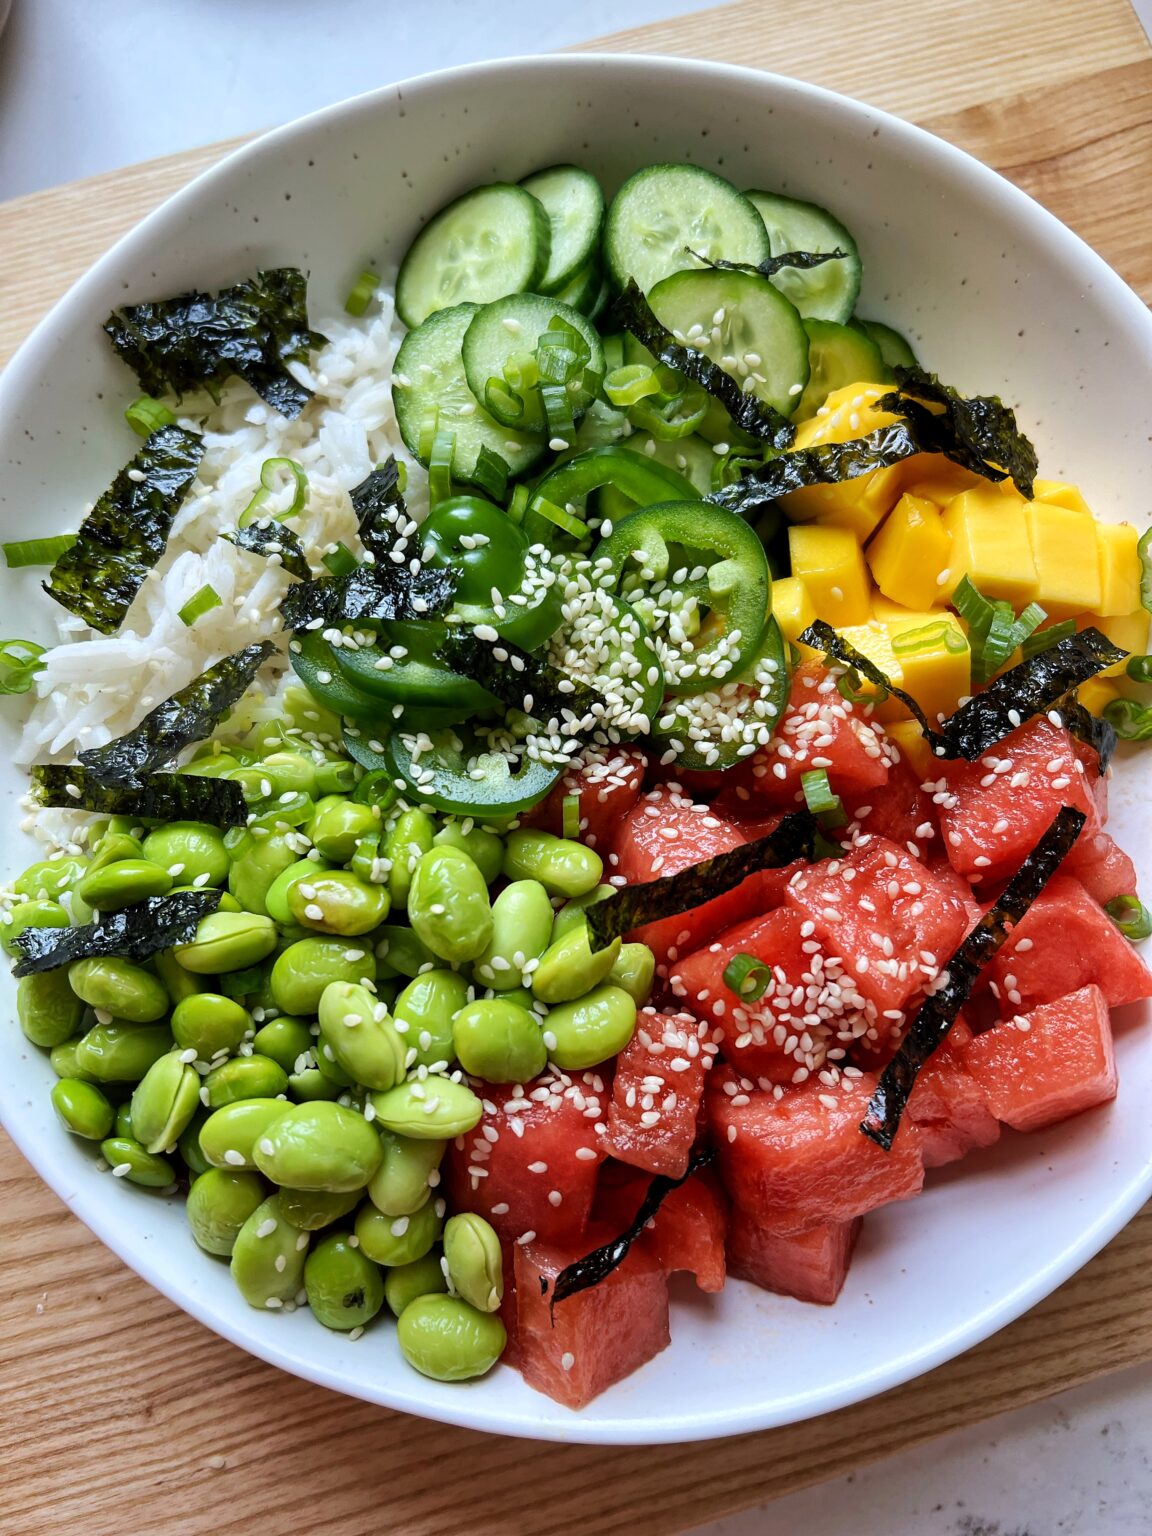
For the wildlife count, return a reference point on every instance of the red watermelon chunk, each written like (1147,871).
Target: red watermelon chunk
(948,1106)
(810,1265)
(597,1336)
(799,1160)
(532,1168)
(901,811)
(1102,867)
(1046,1065)
(993,812)
(656,1093)
(886,913)
(687,1232)
(1065,941)
(821,729)
(606,782)
(756,821)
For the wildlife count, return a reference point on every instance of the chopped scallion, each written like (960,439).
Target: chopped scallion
(1130,721)
(361,293)
(1131,916)
(1139,669)
(272,480)
(1144,551)
(340,561)
(624,386)
(558,412)
(994,631)
(19,663)
(562,519)
(926,638)
(146,416)
(820,800)
(570,815)
(748,977)
(200,603)
(490,473)
(440,466)
(37,551)
(519,504)
(1043,639)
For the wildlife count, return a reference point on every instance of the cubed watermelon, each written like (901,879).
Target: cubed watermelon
(821,729)
(687,1232)
(810,1265)
(948,1106)
(799,1160)
(597,1336)
(1065,941)
(901,811)
(606,782)
(1042,1066)
(656,1093)
(1102,867)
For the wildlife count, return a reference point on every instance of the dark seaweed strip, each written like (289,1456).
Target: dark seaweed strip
(269,537)
(188,716)
(977,432)
(939,1012)
(517,678)
(1089,728)
(160,797)
(134,932)
(801,260)
(124,535)
(195,341)
(822,464)
(377,501)
(370,593)
(599,1264)
(633,312)
(633,906)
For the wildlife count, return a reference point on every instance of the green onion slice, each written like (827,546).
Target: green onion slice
(37,551)
(927,637)
(272,480)
(1131,916)
(562,519)
(819,798)
(570,814)
(1144,551)
(1139,669)
(340,561)
(519,503)
(146,415)
(360,295)
(1130,721)
(1044,639)
(625,386)
(198,604)
(440,465)
(994,631)
(19,664)
(490,473)
(850,685)
(748,977)
(558,412)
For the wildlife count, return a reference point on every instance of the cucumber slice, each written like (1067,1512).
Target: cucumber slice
(574,203)
(837,355)
(894,349)
(744,324)
(492,241)
(430,391)
(826,292)
(511,328)
(662,213)
(583,291)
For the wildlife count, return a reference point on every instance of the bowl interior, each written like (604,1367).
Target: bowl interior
(997,297)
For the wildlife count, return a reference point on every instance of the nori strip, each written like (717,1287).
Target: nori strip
(633,906)
(599,1264)
(124,535)
(633,313)
(822,637)
(189,715)
(801,260)
(367,594)
(977,432)
(373,500)
(939,1012)
(134,932)
(195,341)
(1095,732)
(159,797)
(822,464)
(516,677)
(269,537)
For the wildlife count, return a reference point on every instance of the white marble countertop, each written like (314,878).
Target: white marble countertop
(87,87)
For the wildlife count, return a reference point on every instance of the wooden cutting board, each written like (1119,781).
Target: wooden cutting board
(118,1410)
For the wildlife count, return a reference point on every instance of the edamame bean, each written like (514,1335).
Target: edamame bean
(475,1262)
(122,883)
(65,1062)
(189,1145)
(30,914)
(338,903)
(499,1041)
(523,997)
(363,1037)
(521,930)
(404,1282)
(408,1171)
(118,987)
(329,1066)
(123,1122)
(163,1103)
(228,1136)
(345,1289)
(244,1077)
(118,1052)
(337,826)
(191,851)
(208,1023)
(82,1108)
(591,1030)
(219,1203)
(405,845)
(289,773)
(306,967)
(116,844)
(312,1209)
(178,983)
(635,971)
(47,1008)
(268,1257)
(484,848)
(399,1239)
(563,867)
(284,1039)
(311,1084)
(571,914)
(276,900)
(129,1160)
(46,880)
(437,1109)
(448,905)
(568,968)
(400,952)
(255,866)
(424,1012)
(227,941)
(319,1146)
(447,1339)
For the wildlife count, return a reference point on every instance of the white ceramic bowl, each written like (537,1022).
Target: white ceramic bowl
(998,296)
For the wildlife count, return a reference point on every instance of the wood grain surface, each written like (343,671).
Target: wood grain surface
(118,1411)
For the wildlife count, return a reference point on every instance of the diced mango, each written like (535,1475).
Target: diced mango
(990,544)
(1129,631)
(1096,694)
(830,563)
(1059,493)
(933,476)
(874,640)
(1119,568)
(1065,554)
(938,674)
(909,739)
(857,504)
(792,606)
(910,553)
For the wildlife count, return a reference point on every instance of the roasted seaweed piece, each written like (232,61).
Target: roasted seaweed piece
(379,504)
(188,716)
(195,341)
(160,797)
(600,1263)
(270,537)
(369,593)
(801,260)
(978,432)
(822,464)
(634,313)
(939,1012)
(124,535)
(632,906)
(822,637)
(134,932)
(517,678)
(1099,734)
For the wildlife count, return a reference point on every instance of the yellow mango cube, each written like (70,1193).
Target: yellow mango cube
(1058,493)
(1119,568)
(1064,549)
(910,553)
(932,650)
(1096,694)
(830,563)
(792,606)
(858,504)
(874,640)
(990,544)
(1128,630)
(909,739)
(936,478)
